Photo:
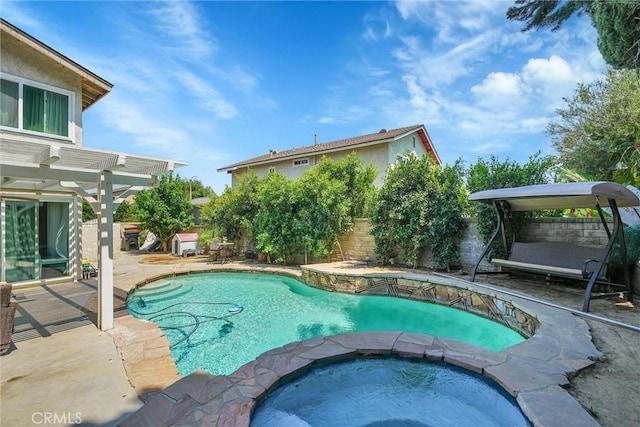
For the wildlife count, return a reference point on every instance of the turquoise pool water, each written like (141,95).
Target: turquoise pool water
(217,322)
(390,393)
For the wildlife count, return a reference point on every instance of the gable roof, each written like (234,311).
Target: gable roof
(187,237)
(383,136)
(94,87)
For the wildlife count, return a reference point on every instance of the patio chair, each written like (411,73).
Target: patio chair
(88,271)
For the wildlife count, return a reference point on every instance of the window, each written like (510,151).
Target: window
(8,103)
(43,109)
(300,162)
(272,169)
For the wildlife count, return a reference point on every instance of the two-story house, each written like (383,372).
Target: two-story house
(45,170)
(379,149)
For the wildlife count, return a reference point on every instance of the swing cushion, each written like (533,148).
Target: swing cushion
(553,258)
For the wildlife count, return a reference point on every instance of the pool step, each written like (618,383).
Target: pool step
(169,288)
(165,295)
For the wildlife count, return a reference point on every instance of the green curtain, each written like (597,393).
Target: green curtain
(45,111)
(8,103)
(57,114)
(33,108)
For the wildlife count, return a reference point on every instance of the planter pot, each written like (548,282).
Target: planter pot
(7,316)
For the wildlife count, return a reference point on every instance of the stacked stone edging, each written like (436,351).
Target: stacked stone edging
(534,371)
(201,399)
(425,288)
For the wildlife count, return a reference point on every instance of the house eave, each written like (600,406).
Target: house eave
(94,87)
(233,168)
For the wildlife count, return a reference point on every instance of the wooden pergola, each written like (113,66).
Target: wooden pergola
(39,168)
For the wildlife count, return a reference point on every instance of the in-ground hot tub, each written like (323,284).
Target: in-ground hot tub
(388,392)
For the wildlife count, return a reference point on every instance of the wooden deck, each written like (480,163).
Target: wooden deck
(45,310)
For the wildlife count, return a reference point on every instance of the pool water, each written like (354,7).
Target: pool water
(217,322)
(390,393)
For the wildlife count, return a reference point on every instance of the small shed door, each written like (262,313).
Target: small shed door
(176,246)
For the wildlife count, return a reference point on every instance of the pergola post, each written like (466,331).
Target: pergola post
(105,251)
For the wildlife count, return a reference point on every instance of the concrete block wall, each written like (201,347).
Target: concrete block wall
(359,244)
(581,231)
(89,240)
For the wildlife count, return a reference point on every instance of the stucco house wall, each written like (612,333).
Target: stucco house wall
(21,61)
(378,149)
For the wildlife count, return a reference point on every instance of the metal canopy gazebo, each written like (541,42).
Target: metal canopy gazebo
(562,196)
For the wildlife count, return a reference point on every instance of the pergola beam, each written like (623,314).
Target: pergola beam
(130,191)
(82,192)
(31,171)
(48,156)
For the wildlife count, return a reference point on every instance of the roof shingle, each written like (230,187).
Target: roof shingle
(378,137)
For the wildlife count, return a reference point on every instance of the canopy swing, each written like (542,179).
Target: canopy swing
(561,259)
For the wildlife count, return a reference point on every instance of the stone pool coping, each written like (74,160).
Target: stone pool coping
(534,371)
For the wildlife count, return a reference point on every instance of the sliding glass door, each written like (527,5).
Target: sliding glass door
(36,244)
(22,261)
(53,239)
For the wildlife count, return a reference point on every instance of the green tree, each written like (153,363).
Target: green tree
(357,178)
(444,216)
(165,210)
(546,13)
(125,213)
(492,174)
(330,196)
(617,23)
(418,207)
(232,214)
(194,188)
(276,224)
(87,211)
(599,130)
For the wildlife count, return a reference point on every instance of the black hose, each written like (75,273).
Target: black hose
(180,303)
(162,313)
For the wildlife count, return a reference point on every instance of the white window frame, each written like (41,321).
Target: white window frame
(272,169)
(71,113)
(301,162)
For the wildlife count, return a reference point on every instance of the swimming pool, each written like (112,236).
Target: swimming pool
(217,322)
(388,392)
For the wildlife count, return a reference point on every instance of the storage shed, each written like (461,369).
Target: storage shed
(185,244)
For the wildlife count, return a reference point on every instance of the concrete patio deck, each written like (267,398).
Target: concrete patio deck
(102,389)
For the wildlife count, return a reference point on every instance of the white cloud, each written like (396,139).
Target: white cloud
(552,71)
(178,21)
(453,21)
(327,120)
(210,97)
(445,66)
(500,91)
(147,131)
(381,90)
(499,84)
(534,124)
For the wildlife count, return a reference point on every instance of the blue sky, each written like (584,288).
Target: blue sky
(213,83)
